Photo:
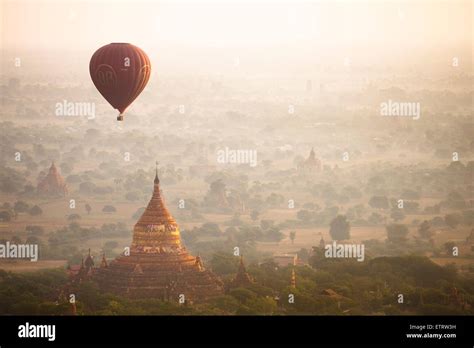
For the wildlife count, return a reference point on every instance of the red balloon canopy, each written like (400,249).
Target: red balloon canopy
(120,71)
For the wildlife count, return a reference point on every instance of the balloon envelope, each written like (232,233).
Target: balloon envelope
(120,71)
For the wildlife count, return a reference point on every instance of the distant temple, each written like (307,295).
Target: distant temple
(53,183)
(310,166)
(219,197)
(322,243)
(158,265)
(242,279)
(85,270)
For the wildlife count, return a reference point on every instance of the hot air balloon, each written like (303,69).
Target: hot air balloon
(120,71)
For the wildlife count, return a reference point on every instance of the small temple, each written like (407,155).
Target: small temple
(242,278)
(158,265)
(310,166)
(322,243)
(53,183)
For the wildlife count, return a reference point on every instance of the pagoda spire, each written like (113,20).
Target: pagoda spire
(242,278)
(322,243)
(73,308)
(89,261)
(104,264)
(156,230)
(157,180)
(293,279)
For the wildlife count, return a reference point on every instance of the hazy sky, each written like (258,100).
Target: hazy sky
(69,24)
(263,36)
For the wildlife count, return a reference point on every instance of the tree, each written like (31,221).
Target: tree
(35,210)
(410,194)
(109,209)
(468,216)
(304,215)
(29,189)
(210,229)
(21,207)
(397,215)
(235,221)
(379,202)
(33,240)
(340,228)
(375,219)
(452,220)
(73,217)
(424,230)
(292,236)
(397,233)
(66,168)
(16,240)
(266,224)
(87,187)
(88,208)
(455,200)
(448,247)
(34,230)
(5,215)
(273,234)
(224,263)
(254,215)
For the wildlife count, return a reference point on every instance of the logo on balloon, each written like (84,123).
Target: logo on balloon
(106,76)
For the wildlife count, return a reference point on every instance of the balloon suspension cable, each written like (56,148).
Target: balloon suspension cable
(120,117)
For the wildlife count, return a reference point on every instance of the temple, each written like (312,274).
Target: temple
(310,166)
(52,184)
(158,265)
(242,278)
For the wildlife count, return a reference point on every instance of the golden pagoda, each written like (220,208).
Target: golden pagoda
(158,265)
(53,183)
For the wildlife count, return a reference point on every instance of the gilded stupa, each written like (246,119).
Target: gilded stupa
(158,265)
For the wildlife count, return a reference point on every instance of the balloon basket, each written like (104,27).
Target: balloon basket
(120,117)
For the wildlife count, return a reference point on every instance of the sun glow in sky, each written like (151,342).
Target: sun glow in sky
(86,24)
